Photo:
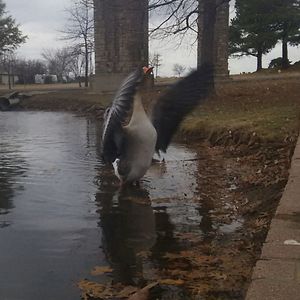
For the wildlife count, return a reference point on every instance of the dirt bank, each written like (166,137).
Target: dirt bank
(73,100)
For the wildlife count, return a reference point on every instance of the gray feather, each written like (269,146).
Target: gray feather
(112,134)
(178,101)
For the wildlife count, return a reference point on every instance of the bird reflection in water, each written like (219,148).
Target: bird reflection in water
(128,226)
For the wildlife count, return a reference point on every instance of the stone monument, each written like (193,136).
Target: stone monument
(221,38)
(121,41)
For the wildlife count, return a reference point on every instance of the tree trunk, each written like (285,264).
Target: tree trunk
(9,82)
(199,34)
(285,59)
(86,81)
(9,76)
(259,61)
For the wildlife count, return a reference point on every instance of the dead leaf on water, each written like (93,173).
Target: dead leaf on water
(93,289)
(172,256)
(218,275)
(171,282)
(127,291)
(144,293)
(101,270)
(201,288)
(143,254)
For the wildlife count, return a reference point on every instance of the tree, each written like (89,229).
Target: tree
(155,61)
(252,31)
(178,69)
(183,17)
(58,61)
(276,63)
(176,17)
(7,62)
(27,69)
(10,35)
(286,18)
(76,65)
(80,30)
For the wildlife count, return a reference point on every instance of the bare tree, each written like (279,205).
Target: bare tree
(179,17)
(77,64)
(155,61)
(58,61)
(178,69)
(80,30)
(89,3)
(27,69)
(7,62)
(176,17)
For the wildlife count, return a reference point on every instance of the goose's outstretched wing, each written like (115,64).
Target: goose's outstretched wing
(115,116)
(178,101)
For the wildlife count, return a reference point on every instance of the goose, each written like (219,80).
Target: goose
(130,147)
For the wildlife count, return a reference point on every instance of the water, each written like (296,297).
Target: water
(49,233)
(62,213)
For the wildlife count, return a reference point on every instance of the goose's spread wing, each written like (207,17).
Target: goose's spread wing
(178,101)
(115,116)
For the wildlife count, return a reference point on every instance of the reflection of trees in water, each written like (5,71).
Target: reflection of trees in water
(128,227)
(131,229)
(206,224)
(127,222)
(166,241)
(220,217)
(98,132)
(11,167)
(208,194)
(93,133)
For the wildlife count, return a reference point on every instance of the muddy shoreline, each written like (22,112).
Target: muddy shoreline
(240,190)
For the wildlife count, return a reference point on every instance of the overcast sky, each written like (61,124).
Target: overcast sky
(41,21)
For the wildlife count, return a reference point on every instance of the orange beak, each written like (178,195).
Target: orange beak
(147,70)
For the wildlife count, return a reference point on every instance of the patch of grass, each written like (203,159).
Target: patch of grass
(269,112)
(269,123)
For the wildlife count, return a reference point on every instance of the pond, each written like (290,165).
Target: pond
(62,212)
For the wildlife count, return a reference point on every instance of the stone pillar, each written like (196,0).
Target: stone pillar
(121,41)
(221,39)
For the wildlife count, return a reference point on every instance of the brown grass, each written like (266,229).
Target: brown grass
(263,106)
(269,109)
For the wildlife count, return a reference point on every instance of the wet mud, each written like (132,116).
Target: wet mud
(192,230)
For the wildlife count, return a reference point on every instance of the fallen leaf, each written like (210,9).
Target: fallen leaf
(171,282)
(93,289)
(101,270)
(144,293)
(127,291)
(173,256)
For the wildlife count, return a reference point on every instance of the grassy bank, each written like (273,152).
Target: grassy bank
(248,111)
(241,111)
